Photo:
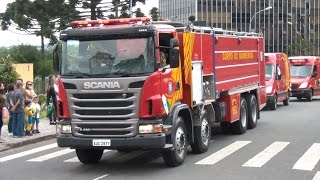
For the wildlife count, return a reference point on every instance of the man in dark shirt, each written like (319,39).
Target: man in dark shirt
(18,111)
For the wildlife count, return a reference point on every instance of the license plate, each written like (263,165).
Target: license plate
(101,142)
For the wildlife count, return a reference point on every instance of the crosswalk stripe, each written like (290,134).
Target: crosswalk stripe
(75,159)
(317,176)
(263,157)
(222,153)
(309,159)
(25,153)
(51,155)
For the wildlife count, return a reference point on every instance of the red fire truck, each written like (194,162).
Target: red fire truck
(305,77)
(129,84)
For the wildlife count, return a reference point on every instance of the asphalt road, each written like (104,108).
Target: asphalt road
(284,145)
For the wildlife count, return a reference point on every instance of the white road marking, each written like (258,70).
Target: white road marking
(263,157)
(309,159)
(51,155)
(75,159)
(103,176)
(25,153)
(317,176)
(219,155)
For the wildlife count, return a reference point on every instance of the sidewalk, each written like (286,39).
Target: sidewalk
(46,132)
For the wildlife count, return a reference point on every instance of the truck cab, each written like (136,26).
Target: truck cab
(305,78)
(277,79)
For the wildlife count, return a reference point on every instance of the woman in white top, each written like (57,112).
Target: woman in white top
(29,92)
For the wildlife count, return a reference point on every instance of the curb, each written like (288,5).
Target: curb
(29,141)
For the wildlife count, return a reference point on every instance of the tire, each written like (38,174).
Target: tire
(286,101)
(309,96)
(252,111)
(240,126)
(176,156)
(202,135)
(89,156)
(273,104)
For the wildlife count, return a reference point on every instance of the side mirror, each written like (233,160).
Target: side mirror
(174,58)
(174,42)
(314,74)
(278,76)
(56,56)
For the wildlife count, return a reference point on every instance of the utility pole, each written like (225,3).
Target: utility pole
(131,8)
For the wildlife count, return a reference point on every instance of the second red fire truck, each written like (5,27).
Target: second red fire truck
(129,84)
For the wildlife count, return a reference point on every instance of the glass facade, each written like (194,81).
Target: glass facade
(281,25)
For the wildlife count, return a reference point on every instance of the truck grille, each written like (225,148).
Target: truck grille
(294,86)
(104,114)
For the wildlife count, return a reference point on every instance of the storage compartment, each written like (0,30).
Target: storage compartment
(197,83)
(208,87)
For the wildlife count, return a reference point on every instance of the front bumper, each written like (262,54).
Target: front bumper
(150,141)
(300,93)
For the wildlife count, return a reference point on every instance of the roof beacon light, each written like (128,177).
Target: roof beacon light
(110,21)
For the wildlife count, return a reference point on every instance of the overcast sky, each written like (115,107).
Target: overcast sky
(14,37)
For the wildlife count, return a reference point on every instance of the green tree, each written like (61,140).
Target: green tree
(300,47)
(8,74)
(139,13)
(39,17)
(154,13)
(30,54)
(125,6)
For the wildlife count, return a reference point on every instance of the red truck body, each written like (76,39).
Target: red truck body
(164,90)
(305,77)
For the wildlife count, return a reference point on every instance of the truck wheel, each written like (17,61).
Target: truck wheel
(252,111)
(202,135)
(286,101)
(89,156)
(273,103)
(309,95)
(240,126)
(175,156)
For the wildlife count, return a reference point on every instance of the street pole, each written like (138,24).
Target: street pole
(131,8)
(266,9)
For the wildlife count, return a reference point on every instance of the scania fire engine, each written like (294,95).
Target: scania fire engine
(129,84)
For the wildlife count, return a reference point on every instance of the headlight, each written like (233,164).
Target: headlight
(150,128)
(63,129)
(303,85)
(269,89)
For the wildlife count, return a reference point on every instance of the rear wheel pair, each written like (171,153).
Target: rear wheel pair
(248,116)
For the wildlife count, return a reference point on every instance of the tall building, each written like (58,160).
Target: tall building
(282,25)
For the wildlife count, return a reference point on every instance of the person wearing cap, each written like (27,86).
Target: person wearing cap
(18,111)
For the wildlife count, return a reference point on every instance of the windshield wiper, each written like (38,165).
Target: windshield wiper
(77,74)
(119,74)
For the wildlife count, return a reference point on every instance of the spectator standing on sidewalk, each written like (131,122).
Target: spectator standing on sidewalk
(2,93)
(28,117)
(18,111)
(3,115)
(36,118)
(51,94)
(9,106)
(28,91)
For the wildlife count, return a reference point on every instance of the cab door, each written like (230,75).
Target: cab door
(171,78)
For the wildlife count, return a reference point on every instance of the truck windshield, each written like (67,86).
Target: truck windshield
(269,71)
(300,71)
(116,57)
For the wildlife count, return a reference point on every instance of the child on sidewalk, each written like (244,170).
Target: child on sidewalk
(35,119)
(3,115)
(28,117)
